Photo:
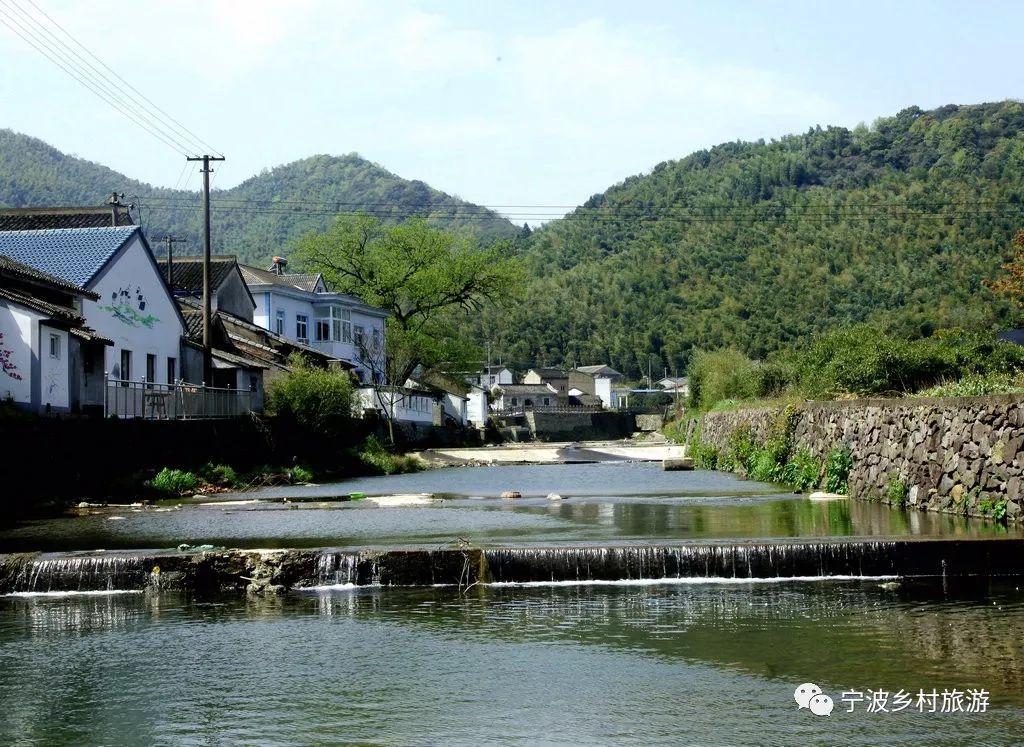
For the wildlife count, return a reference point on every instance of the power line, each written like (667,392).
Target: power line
(83,67)
(135,90)
(122,98)
(82,80)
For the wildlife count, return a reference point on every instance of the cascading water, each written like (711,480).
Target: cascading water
(80,573)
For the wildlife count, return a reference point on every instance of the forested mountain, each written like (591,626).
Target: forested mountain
(254,220)
(760,245)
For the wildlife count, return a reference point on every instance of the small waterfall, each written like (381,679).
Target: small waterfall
(80,573)
(636,562)
(338,568)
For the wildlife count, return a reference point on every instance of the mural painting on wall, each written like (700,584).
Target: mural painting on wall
(6,364)
(128,306)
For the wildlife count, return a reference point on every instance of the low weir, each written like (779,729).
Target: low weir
(276,571)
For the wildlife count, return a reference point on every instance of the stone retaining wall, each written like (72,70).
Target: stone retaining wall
(953,454)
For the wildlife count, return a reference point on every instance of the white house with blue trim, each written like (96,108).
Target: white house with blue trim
(301,307)
(134,309)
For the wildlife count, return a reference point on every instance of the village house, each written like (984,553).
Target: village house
(513,398)
(491,376)
(129,302)
(228,290)
(676,385)
(300,306)
(595,386)
(50,362)
(555,377)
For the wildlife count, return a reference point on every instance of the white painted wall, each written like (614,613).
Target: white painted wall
(16,325)
(408,407)
(476,408)
(53,370)
(149,325)
(603,389)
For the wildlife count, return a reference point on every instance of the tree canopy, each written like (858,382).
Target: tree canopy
(429,281)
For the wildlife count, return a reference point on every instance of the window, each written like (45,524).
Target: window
(279,322)
(358,334)
(126,366)
(302,327)
(253,383)
(515,401)
(547,400)
(55,346)
(172,370)
(150,368)
(376,340)
(333,324)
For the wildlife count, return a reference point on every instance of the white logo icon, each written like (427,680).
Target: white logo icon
(804,693)
(821,705)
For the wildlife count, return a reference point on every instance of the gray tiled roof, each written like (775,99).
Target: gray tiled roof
(37,219)
(302,280)
(72,254)
(187,272)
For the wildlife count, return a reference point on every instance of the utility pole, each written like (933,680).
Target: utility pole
(207,342)
(170,241)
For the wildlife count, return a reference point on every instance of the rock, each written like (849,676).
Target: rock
(823,496)
(890,585)
(677,465)
(554,497)
(511,494)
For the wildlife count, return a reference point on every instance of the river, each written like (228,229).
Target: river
(711,661)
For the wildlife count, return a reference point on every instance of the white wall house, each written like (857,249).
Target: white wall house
(476,407)
(402,405)
(134,308)
(301,307)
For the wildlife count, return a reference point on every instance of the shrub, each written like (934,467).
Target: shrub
(837,470)
(174,481)
(764,467)
(377,456)
(300,474)
(896,492)
(803,471)
(977,385)
(721,374)
(996,509)
(319,400)
(219,474)
(705,456)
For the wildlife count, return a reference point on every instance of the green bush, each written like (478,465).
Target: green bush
(864,360)
(837,470)
(721,374)
(705,456)
(803,471)
(174,481)
(763,466)
(896,492)
(219,474)
(377,456)
(977,385)
(318,399)
(300,474)
(995,509)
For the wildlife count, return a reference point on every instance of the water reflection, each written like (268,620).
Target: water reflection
(505,665)
(582,520)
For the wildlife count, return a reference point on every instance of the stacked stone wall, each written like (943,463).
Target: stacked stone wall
(957,455)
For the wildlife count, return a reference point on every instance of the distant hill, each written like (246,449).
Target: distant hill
(254,220)
(760,245)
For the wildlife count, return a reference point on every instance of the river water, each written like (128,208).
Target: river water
(604,504)
(691,661)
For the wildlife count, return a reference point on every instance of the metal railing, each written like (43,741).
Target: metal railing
(178,401)
(520,411)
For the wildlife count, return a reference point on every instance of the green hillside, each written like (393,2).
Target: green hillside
(760,245)
(254,220)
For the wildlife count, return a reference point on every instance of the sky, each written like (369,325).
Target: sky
(503,104)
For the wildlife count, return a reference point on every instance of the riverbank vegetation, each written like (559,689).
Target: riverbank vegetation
(860,361)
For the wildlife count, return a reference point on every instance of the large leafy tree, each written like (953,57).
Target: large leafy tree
(430,281)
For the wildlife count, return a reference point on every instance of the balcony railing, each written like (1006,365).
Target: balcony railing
(179,401)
